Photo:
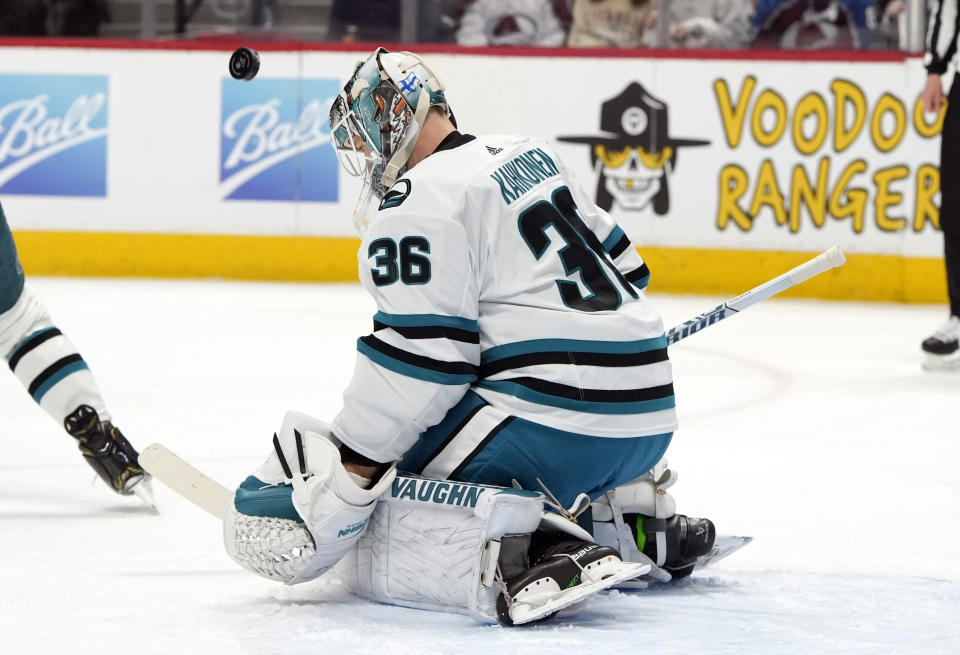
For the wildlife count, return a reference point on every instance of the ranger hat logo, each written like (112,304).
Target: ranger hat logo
(634,155)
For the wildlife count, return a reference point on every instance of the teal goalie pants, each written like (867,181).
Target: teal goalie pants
(475,443)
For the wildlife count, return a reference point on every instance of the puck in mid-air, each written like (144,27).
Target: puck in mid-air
(244,64)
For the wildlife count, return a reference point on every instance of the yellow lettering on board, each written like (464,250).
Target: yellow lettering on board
(846,93)
(769,100)
(928,183)
(811,105)
(733,117)
(925,129)
(885,197)
(733,184)
(815,199)
(854,200)
(768,194)
(887,103)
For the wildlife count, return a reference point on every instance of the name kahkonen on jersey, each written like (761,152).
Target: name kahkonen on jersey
(524,172)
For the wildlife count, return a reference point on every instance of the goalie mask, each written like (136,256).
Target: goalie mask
(375,121)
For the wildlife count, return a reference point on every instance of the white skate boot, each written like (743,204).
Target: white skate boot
(942,348)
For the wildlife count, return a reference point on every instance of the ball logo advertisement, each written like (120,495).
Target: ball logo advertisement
(275,140)
(53,135)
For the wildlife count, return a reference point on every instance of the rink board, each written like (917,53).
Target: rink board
(333,259)
(141,159)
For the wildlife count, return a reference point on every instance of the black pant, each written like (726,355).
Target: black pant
(11,274)
(950,195)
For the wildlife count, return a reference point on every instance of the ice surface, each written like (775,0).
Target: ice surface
(806,424)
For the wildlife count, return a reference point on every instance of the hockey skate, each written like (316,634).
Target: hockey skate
(942,348)
(109,453)
(686,539)
(639,519)
(564,573)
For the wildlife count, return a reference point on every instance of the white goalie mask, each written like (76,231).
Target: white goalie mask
(376,120)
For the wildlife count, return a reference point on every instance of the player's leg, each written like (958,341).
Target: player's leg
(942,348)
(488,551)
(56,376)
(639,518)
(478,443)
(411,541)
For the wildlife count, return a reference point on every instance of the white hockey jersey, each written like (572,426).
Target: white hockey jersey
(493,271)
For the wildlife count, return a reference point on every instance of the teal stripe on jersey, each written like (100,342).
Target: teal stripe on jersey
(572,345)
(642,282)
(524,393)
(57,377)
(426,320)
(412,371)
(614,238)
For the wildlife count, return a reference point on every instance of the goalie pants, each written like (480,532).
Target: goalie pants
(11,274)
(950,194)
(478,443)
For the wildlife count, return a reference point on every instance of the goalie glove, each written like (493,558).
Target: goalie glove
(300,512)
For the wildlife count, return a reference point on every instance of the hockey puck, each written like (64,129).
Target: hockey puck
(244,64)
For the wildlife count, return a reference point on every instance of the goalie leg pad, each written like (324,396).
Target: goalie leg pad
(301,511)
(435,544)
(462,547)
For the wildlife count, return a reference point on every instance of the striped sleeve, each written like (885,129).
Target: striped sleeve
(942,35)
(625,256)
(429,347)
(424,350)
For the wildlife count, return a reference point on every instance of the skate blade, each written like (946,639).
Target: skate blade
(724,546)
(933,362)
(537,606)
(144,491)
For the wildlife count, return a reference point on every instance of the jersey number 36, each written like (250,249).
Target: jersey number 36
(407,263)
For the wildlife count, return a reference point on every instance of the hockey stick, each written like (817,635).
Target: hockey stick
(826,260)
(172,470)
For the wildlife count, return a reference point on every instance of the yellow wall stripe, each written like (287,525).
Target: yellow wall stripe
(114,254)
(333,259)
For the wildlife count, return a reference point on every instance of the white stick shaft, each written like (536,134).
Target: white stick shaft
(204,492)
(823,262)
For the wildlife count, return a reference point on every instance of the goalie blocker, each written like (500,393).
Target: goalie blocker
(487,551)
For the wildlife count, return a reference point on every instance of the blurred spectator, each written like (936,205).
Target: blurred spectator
(450,14)
(703,24)
(378,21)
(51,17)
(887,28)
(610,23)
(511,22)
(23,18)
(812,24)
(76,17)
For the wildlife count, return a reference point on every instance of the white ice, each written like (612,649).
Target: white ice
(807,424)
